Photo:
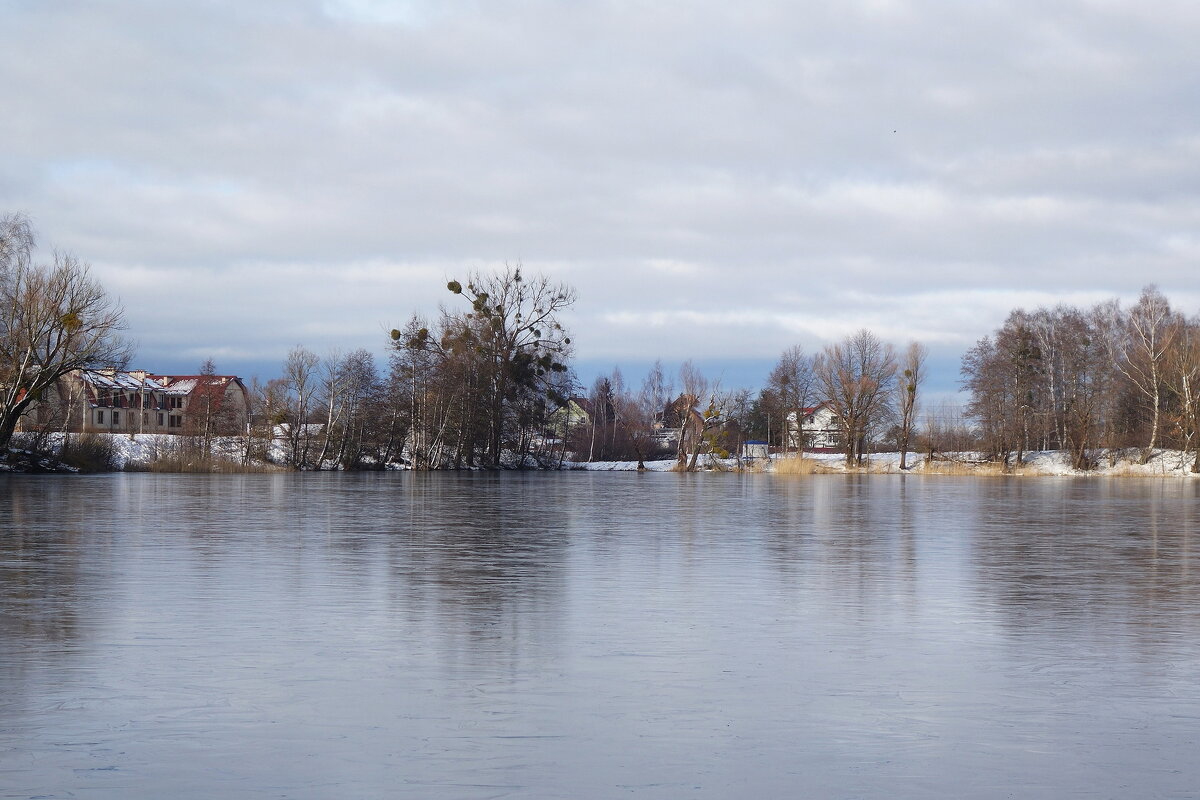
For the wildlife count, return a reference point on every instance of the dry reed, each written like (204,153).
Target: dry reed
(799,466)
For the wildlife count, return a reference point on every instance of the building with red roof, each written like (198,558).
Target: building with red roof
(136,401)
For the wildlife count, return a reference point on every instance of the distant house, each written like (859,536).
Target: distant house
(136,401)
(815,428)
(574,413)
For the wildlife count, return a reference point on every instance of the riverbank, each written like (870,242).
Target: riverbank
(1124,463)
(165,453)
(102,452)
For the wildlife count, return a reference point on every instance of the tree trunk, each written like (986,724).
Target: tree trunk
(1146,455)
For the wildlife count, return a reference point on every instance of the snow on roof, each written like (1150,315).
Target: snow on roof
(181,386)
(137,380)
(189,383)
(132,381)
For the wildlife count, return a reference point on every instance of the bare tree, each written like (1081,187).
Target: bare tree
(650,406)
(16,243)
(331,388)
(515,329)
(1004,375)
(1181,377)
(708,419)
(300,383)
(792,386)
(1108,327)
(912,374)
(856,377)
(363,410)
(54,319)
(1083,374)
(694,387)
(1151,330)
(946,430)
(424,399)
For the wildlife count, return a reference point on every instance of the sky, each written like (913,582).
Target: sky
(718,181)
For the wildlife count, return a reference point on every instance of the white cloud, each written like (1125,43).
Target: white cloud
(733,180)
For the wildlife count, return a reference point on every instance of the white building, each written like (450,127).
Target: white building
(818,429)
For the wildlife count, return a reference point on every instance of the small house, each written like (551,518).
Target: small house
(816,428)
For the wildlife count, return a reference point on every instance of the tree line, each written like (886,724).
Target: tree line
(492,381)
(1091,381)
(475,388)
(488,382)
(870,390)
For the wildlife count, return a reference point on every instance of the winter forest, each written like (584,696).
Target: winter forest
(489,383)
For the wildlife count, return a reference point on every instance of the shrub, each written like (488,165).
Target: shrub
(89,452)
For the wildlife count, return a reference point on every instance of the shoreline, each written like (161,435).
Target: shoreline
(1044,463)
(153,452)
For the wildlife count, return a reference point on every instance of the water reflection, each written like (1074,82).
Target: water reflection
(585,635)
(1106,561)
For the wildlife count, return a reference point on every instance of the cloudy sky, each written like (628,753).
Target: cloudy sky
(718,180)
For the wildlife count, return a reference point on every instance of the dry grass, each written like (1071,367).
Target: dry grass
(1134,470)
(963,468)
(810,466)
(89,452)
(800,466)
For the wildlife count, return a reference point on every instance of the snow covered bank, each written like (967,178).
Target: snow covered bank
(140,451)
(120,451)
(1164,463)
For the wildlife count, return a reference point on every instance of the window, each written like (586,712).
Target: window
(175,421)
(174,402)
(99,417)
(145,418)
(160,420)
(116,418)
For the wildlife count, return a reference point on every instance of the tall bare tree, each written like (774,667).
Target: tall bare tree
(520,338)
(300,385)
(1181,377)
(694,387)
(856,377)
(1004,374)
(54,318)
(1151,331)
(912,375)
(791,387)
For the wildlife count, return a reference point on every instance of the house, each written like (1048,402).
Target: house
(816,428)
(574,413)
(136,401)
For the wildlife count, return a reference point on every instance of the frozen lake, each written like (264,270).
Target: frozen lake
(584,635)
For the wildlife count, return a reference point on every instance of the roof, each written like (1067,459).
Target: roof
(171,385)
(187,384)
(108,379)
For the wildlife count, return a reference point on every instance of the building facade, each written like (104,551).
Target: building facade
(136,401)
(814,428)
